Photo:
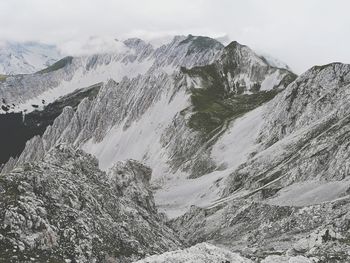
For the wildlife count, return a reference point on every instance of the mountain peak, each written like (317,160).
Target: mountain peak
(200,43)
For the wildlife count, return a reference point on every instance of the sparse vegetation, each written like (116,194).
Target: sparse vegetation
(217,112)
(3,77)
(214,105)
(58,65)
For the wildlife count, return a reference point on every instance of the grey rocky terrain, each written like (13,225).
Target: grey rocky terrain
(245,156)
(64,209)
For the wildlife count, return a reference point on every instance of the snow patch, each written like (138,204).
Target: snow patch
(84,78)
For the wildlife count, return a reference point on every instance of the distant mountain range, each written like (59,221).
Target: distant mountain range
(25,58)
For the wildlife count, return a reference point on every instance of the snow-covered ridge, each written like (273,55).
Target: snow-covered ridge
(137,57)
(25,58)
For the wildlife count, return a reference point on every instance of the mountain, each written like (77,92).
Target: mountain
(292,194)
(27,57)
(194,79)
(245,155)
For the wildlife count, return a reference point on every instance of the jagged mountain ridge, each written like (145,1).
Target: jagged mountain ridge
(26,58)
(281,163)
(127,118)
(134,57)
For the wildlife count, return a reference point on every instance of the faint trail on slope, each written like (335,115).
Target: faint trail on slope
(275,169)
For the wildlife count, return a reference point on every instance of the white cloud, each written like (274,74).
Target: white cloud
(92,45)
(300,32)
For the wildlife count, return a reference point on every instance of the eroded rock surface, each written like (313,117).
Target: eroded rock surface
(64,209)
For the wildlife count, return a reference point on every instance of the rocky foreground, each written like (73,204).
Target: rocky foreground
(249,162)
(64,209)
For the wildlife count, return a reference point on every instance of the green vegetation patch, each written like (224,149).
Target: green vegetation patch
(211,113)
(3,77)
(214,105)
(58,65)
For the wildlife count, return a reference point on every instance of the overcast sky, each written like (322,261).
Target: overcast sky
(301,33)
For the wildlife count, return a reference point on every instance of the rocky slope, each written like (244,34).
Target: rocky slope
(304,136)
(64,209)
(292,195)
(244,155)
(257,230)
(25,58)
(171,115)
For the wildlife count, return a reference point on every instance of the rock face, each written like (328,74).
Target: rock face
(64,209)
(257,230)
(171,140)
